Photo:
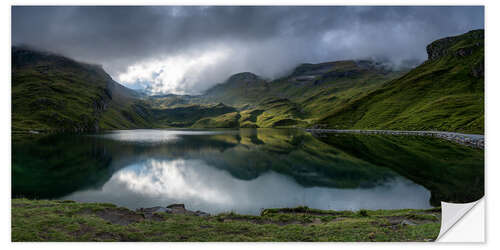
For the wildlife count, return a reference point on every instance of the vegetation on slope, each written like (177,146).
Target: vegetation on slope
(239,89)
(444,93)
(52,92)
(187,115)
(43,220)
(297,100)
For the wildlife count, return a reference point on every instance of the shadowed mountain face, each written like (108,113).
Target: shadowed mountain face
(171,161)
(51,92)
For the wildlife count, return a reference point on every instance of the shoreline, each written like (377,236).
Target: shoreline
(58,220)
(471,140)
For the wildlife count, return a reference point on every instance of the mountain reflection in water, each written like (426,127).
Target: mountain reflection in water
(248,169)
(202,187)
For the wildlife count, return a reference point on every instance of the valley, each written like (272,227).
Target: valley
(53,93)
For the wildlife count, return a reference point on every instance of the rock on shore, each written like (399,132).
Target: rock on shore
(170,209)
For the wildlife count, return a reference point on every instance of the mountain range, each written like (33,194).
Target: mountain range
(51,92)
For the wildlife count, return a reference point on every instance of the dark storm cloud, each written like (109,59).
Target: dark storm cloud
(266,40)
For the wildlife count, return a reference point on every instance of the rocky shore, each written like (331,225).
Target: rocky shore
(471,140)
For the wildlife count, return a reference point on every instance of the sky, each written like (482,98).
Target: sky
(188,49)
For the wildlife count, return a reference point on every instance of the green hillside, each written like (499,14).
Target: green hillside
(240,89)
(296,100)
(444,93)
(52,92)
(187,115)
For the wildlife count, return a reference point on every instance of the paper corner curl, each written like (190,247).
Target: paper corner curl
(451,214)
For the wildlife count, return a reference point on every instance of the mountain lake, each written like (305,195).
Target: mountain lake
(246,170)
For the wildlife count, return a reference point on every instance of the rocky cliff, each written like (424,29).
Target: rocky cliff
(447,45)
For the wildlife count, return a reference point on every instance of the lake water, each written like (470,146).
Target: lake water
(247,170)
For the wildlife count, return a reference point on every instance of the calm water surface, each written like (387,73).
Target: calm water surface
(246,170)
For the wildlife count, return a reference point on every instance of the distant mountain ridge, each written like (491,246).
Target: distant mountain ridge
(294,100)
(446,92)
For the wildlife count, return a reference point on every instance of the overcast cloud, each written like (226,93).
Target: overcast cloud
(186,50)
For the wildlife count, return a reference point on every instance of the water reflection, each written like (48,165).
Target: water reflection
(247,169)
(200,186)
(153,136)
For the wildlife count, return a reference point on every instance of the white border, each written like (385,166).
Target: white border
(492,14)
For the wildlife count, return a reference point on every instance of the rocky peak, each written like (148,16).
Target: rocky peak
(244,76)
(220,105)
(443,46)
(309,69)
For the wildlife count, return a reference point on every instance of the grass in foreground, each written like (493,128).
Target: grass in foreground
(43,220)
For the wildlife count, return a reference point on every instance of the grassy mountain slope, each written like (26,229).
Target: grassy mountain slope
(444,93)
(296,100)
(272,112)
(187,115)
(52,92)
(240,89)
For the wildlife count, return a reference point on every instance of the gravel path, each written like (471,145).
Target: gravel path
(472,140)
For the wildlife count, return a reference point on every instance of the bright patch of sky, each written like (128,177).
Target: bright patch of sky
(173,74)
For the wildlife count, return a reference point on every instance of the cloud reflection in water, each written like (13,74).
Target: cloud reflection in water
(154,136)
(202,187)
